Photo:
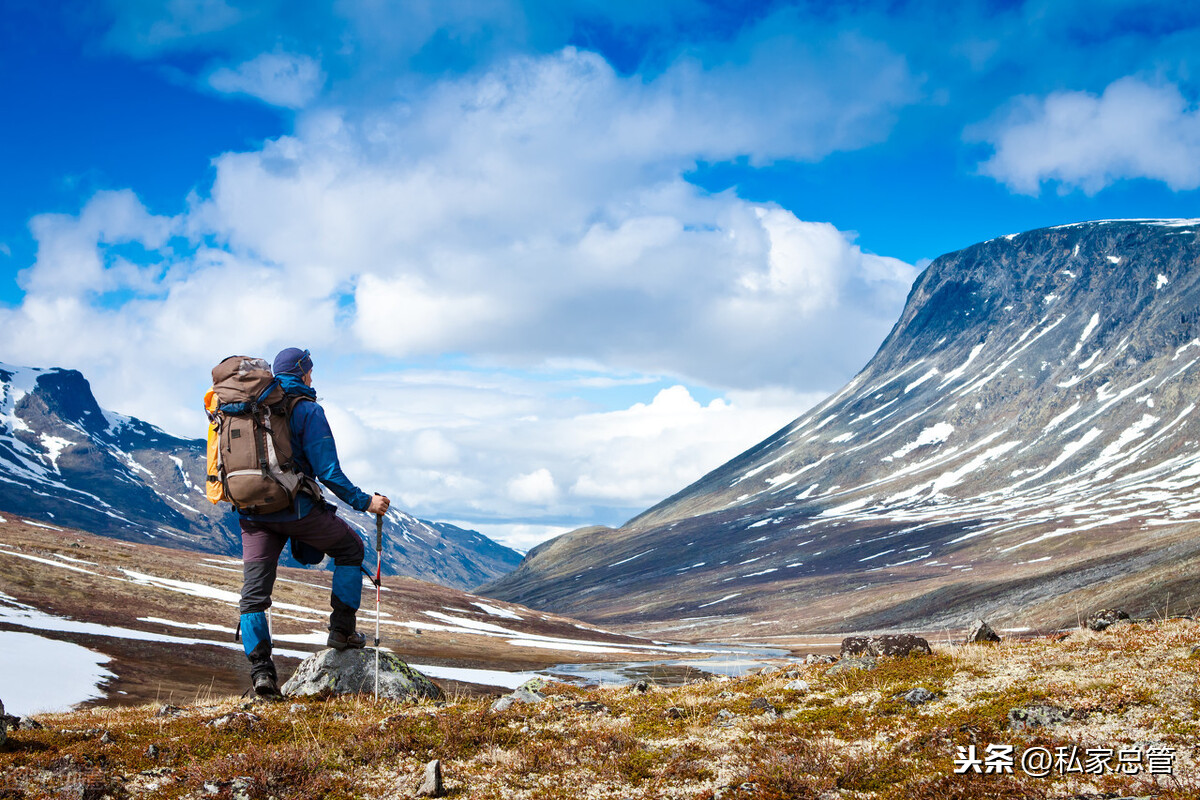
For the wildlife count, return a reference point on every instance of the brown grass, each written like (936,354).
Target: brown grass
(852,735)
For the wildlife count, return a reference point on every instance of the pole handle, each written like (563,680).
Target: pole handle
(378,532)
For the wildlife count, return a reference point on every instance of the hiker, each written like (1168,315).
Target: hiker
(311,524)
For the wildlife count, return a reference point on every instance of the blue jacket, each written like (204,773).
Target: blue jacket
(315,454)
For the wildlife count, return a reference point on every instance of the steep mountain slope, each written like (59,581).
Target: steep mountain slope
(1025,439)
(68,462)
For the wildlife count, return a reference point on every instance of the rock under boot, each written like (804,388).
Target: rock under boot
(346,641)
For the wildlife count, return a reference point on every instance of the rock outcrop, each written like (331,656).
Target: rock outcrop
(330,672)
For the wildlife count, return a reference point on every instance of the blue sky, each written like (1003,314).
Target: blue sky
(554,259)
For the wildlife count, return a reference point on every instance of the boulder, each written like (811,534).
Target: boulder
(854,646)
(890,644)
(330,672)
(982,633)
(1105,618)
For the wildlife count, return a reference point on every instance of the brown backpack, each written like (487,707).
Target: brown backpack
(250,440)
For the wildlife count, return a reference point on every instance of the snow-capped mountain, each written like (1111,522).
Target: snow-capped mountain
(1025,444)
(67,462)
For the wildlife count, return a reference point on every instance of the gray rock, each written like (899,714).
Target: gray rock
(724,718)
(1036,716)
(813,658)
(331,672)
(3,725)
(851,664)
(152,751)
(889,644)
(763,704)
(853,646)
(675,712)
(641,687)
(797,686)
(431,784)
(1105,618)
(235,719)
(772,670)
(917,696)
(521,695)
(982,633)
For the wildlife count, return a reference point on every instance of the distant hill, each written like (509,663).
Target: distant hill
(1024,444)
(66,461)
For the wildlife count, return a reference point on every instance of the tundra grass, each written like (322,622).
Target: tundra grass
(851,734)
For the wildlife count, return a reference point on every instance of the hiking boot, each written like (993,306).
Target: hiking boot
(346,641)
(266,686)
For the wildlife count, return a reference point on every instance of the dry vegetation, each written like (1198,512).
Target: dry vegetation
(851,734)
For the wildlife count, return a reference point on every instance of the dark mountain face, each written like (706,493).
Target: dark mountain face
(1025,439)
(65,461)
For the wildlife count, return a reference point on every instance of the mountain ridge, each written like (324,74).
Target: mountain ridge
(1029,417)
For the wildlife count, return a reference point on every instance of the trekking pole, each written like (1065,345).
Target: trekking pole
(378,585)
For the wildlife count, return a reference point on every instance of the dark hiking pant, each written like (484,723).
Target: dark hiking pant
(262,543)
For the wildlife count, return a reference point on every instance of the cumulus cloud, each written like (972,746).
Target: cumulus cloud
(1080,140)
(520,219)
(278,78)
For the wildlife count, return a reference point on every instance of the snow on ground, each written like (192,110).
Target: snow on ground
(66,674)
(497,612)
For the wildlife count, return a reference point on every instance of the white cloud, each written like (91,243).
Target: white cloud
(1080,140)
(533,219)
(534,488)
(277,78)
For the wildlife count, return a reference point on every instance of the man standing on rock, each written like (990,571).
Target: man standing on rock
(311,522)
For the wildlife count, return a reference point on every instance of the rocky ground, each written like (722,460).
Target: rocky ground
(1077,715)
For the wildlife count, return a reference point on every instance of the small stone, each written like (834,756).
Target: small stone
(763,704)
(3,725)
(1105,619)
(982,633)
(168,711)
(295,708)
(641,687)
(592,706)
(212,787)
(152,751)
(772,670)
(431,784)
(235,719)
(675,712)
(917,696)
(1036,716)
(106,738)
(797,686)
(239,788)
(30,724)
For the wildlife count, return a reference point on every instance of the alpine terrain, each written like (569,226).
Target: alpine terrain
(68,462)
(1025,446)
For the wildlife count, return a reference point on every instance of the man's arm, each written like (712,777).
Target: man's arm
(319,448)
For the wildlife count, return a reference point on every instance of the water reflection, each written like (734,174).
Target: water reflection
(732,660)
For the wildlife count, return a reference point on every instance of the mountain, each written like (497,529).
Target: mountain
(66,461)
(1024,446)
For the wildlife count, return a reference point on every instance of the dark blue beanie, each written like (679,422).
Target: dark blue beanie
(292,361)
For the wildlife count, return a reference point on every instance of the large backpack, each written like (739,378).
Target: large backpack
(249,439)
